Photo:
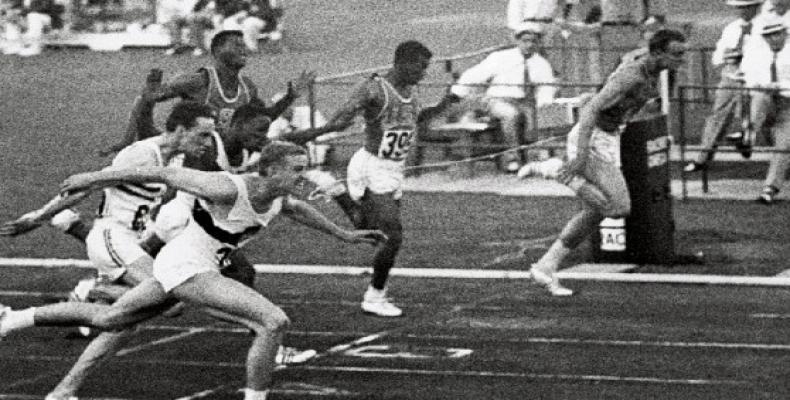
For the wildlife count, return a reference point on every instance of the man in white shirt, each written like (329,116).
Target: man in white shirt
(772,75)
(727,102)
(513,78)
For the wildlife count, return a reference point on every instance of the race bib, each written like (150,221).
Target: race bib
(395,144)
(223,119)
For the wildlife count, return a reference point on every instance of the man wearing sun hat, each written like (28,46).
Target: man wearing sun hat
(506,74)
(769,69)
(727,103)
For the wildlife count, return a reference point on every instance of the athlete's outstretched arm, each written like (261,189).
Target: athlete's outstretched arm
(34,219)
(141,118)
(296,89)
(363,97)
(429,113)
(212,186)
(307,215)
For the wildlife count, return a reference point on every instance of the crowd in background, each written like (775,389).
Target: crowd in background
(189,24)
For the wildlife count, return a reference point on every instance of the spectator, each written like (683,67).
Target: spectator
(550,14)
(773,76)
(256,19)
(728,55)
(507,74)
(196,17)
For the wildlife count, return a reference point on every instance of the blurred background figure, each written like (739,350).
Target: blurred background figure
(257,20)
(187,22)
(297,118)
(510,97)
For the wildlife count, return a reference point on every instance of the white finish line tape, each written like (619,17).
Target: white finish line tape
(455,273)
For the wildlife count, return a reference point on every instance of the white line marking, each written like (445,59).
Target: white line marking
(497,374)
(770,316)
(121,353)
(481,374)
(168,339)
(457,273)
(547,340)
(14,396)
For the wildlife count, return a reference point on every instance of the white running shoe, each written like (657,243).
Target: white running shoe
(64,219)
(526,171)
(80,294)
(376,302)
(56,397)
(292,355)
(549,281)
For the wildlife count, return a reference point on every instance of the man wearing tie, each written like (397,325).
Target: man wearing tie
(727,102)
(513,77)
(772,75)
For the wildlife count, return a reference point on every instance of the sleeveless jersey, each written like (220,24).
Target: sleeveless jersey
(389,134)
(129,204)
(642,88)
(232,225)
(222,104)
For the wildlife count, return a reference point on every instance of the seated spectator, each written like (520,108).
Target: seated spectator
(180,15)
(257,19)
(510,97)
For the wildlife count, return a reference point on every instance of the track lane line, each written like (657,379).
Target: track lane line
(779,281)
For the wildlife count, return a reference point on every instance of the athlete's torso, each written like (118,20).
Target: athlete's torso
(232,225)
(129,204)
(224,102)
(641,88)
(390,132)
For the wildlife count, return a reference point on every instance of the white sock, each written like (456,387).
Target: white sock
(15,320)
(250,394)
(556,253)
(374,293)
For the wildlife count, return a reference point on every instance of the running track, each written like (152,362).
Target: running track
(460,338)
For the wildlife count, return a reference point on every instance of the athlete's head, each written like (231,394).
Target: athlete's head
(227,47)
(191,124)
(250,123)
(411,61)
(668,47)
(283,161)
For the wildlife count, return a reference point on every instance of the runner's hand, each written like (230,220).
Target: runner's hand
(302,83)
(153,85)
(23,224)
(372,237)
(572,168)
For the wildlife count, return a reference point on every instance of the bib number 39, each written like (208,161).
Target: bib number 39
(395,144)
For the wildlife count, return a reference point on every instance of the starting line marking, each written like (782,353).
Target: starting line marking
(782,281)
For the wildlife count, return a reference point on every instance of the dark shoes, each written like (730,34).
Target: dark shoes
(768,196)
(742,142)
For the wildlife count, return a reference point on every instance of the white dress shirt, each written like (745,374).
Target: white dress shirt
(757,72)
(520,10)
(729,40)
(503,72)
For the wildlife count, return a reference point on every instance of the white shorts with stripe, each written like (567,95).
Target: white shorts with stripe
(112,248)
(366,171)
(603,144)
(190,253)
